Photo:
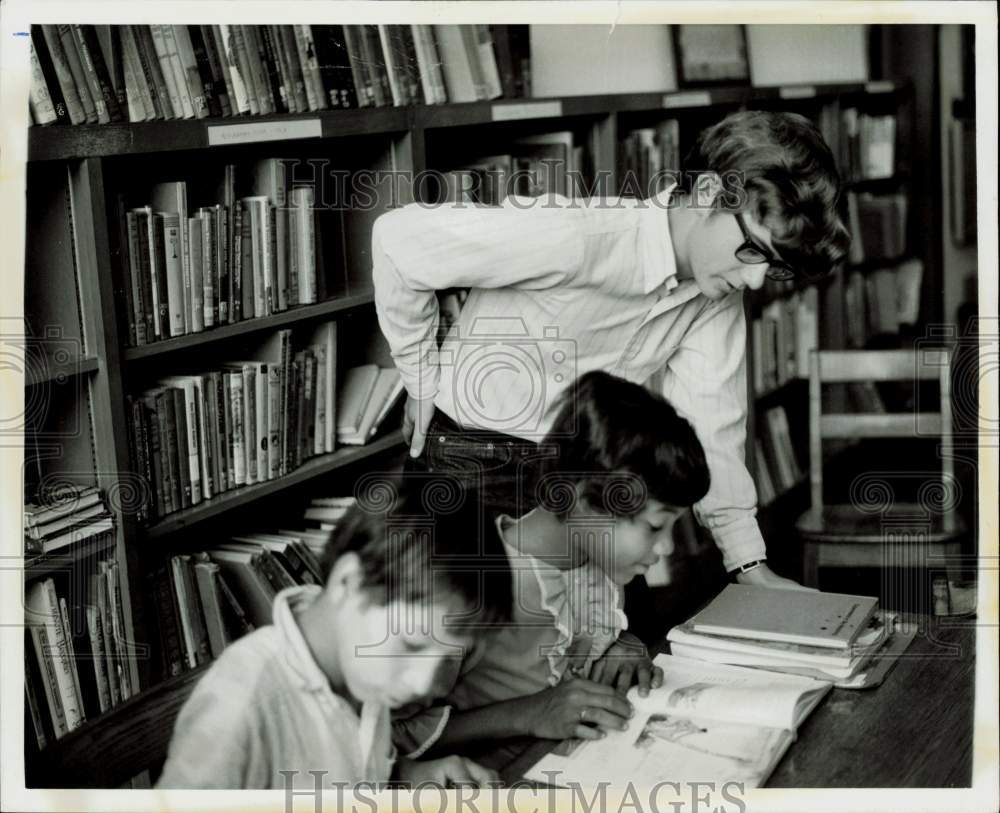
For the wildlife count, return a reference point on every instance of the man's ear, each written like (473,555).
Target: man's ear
(707,189)
(346,575)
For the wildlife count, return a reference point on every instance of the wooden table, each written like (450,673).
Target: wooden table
(915,730)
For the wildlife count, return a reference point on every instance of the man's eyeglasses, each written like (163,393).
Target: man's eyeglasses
(751,252)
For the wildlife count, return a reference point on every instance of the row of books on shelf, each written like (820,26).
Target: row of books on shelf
(72,515)
(776,465)
(197,436)
(782,338)
(878,226)
(867,145)
(881,301)
(533,166)
(238,258)
(76,649)
(647,157)
(135,73)
(206,600)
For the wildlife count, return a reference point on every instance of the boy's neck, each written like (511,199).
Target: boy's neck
(318,624)
(682,220)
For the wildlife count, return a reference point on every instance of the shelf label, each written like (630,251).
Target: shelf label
(526,110)
(251,131)
(700,98)
(881,86)
(797,92)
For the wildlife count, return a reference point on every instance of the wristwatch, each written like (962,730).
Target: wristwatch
(746,568)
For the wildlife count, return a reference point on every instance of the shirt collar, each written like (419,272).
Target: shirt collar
(287,605)
(659,264)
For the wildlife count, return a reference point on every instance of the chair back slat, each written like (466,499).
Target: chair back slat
(869,425)
(841,366)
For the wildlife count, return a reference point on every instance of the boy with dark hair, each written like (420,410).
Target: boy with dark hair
(313,691)
(644,289)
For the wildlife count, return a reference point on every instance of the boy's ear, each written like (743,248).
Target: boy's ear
(707,188)
(346,574)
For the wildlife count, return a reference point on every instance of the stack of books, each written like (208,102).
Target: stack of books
(326,512)
(830,636)
(650,158)
(77,649)
(867,145)
(97,74)
(77,514)
(776,464)
(367,396)
(781,339)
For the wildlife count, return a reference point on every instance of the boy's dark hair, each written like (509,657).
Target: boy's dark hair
(620,445)
(422,539)
(779,165)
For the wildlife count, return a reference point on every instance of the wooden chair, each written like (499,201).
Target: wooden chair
(877,529)
(119,745)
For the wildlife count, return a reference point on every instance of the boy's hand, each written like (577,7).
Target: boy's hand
(446,772)
(765,577)
(575,708)
(417,416)
(627,659)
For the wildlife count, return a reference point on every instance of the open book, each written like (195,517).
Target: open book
(707,722)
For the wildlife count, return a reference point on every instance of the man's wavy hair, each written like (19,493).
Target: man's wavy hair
(777,166)
(617,445)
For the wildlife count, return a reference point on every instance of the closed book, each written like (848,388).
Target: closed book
(56,526)
(192,615)
(173,73)
(387,388)
(42,606)
(158,273)
(46,661)
(179,56)
(196,263)
(167,432)
(274,69)
(207,578)
(42,107)
(315,93)
(355,392)
(257,85)
(171,197)
(216,70)
(203,70)
(274,417)
(81,532)
(99,592)
(393,63)
(64,502)
(34,693)
(252,588)
(176,449)
(237,621)
(99,71)
(359,71)
(149,71)
(270,181)
(50,51)
(98,661)
(335,66)
(71,49)
(123,639)
(168,621)
(236,434)
(832,620)
(455,65)
(240,90)
(151,423)
(431,76)
(189,429)
(289,50)
(86,692)
(303,251)
(236,106)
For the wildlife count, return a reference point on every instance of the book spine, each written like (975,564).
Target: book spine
(50,683)
(167,70)
(128,282)
(221,82)
(353,38)
(210,392)
(291,411)
(174,273)
(279,269)
(273,377)
(48,44)
(184,613)
(179,440)
(312,72)
(98,72)
(273,70)
(43,108)
(297,80)
(204,71)
(262,431)
(118,622)
(196,256)
(320,406)
(72,52)
(219,433)
(206,576)
(97,93)
(250,422)
(221,228)
(243,44)
(168,433)
(99,588)
(138,99)
(285,360)
(167,622)
(236,420)
(276,43)
(205,458)
(151,71)
(239,92)
(70,651)
(96,637)
(302,214)
(258,65)
(40,728)
(200,633)
(191,437)
(301,57)
(158,455)
(45,602)
(172,44)
(237,296)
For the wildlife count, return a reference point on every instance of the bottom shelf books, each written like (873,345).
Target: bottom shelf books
(76,650)
(706,722)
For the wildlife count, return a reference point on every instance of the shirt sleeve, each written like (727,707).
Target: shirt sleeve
(211,717)
(705,380)
(417,250)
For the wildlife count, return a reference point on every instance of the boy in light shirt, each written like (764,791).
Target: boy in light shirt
(313,691)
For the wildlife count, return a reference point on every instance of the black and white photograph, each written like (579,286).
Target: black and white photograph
(413,406)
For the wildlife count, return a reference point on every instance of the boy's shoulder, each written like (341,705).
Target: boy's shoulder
(254,658)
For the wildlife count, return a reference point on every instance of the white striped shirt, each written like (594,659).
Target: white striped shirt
(559,290)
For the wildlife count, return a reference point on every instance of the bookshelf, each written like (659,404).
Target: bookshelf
(77,173)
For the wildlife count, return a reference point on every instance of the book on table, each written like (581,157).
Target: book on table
(832,620)
(706,722)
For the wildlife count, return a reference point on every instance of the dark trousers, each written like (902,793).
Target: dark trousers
(505,471)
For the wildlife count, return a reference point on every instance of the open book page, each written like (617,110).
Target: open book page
(706,722)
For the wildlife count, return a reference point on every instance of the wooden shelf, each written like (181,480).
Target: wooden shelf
(57,372)
(87,140)
(345,456)
(304,313)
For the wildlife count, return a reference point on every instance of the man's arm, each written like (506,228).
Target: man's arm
(706,381)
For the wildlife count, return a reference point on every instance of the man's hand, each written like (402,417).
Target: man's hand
(416,418)
(627,659)
(446,772)
(765,577)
